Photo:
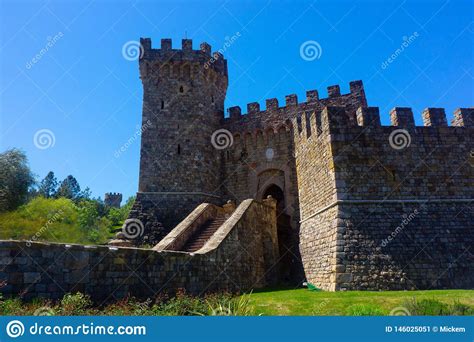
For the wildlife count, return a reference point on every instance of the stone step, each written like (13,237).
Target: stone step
(203,234)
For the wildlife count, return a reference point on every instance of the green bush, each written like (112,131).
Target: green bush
(74,304)
(433,307)
(118,215)
(11,307)
(460,309)
(179,305)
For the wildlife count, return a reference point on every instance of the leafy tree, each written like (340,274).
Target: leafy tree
(118,215)
(91,221)
(15,179)
(88,214)
(86,193)
(115,215)
(69,188)
(48,186)
(129,204)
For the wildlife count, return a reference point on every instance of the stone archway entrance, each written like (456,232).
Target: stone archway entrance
(285,236)
(277,193)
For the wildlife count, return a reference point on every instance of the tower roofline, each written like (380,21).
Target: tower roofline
(166,54)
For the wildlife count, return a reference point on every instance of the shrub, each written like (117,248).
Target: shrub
(129,307)
(118,215)
(180,305)
(10,307)
(427,307)
(460,309)
(74,304)
(230,306)
(115,216)
(433,307)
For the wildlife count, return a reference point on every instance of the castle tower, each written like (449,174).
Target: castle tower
(183,105)
(113,199)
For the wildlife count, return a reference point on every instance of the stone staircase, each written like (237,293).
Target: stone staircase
(203,234)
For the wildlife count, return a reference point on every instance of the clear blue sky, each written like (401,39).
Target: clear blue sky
(85,92)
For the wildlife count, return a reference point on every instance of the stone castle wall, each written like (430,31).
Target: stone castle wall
(256,161)
(410,246)
(394,216)
(317,190)
(50,270)
(161,212)
(263,152)
(263,148)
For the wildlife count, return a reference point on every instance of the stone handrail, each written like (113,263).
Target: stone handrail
(238,217)
(183,231)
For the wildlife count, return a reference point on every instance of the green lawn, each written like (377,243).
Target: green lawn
(305,302)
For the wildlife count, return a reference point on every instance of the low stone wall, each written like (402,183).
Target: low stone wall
(239,263)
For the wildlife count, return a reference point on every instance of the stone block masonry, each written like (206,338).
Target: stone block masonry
(183,102)
(237,259)
(433,250)
(391,212)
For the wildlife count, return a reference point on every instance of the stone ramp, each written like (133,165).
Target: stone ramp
(207,227)
(192,234)
(203,234)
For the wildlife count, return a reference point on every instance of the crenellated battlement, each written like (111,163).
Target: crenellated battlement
(333,119)
(186,54)
(109,194)
(274,115)
(113,199)
(292,100)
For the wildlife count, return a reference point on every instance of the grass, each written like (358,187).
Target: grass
(268,303)
(296,302)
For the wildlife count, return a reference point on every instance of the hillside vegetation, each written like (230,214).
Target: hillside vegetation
(62,220)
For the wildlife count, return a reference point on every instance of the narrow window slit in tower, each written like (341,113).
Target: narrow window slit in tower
(212,99)
(181,89)
(179,149)
(162,104)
